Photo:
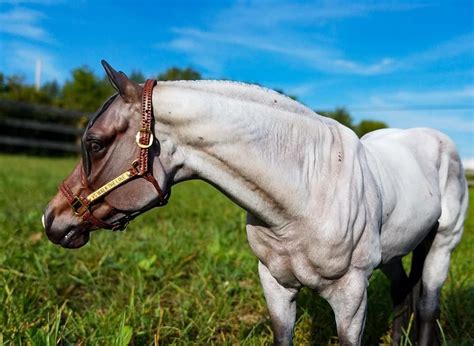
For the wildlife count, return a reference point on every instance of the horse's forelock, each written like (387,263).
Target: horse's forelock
(85,154)
(101,110)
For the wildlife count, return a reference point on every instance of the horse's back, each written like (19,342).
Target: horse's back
(421,182)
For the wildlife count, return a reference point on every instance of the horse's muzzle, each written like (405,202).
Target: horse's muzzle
(68,236)
(75,239)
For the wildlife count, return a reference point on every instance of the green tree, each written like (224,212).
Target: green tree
(14,88)
(52,89)
(366,126)
(175,73)
(2,83)
(341,115)
(85,91)
(137,76)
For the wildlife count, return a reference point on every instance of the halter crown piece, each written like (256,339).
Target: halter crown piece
(139,169)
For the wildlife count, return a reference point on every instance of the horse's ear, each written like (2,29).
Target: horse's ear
(128,89)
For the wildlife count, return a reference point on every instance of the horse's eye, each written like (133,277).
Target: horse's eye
(96,146)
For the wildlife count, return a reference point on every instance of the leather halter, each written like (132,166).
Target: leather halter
(140,168)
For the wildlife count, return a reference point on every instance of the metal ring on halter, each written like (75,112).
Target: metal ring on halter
(150,140)
(79,206)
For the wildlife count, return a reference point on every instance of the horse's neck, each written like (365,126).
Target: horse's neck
(267,159)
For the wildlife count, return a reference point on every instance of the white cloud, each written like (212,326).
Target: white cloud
(443,120)
(436,97)
(278,28)
(224,45)
(457,46)
(39,2)
(29,42)
(457,124)
(22,22)
(276,13)
(468,163)
(461,98)
(445,110)
(20,58)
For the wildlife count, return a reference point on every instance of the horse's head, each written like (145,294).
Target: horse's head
(120,174)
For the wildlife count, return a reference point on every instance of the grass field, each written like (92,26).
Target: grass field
(183,274)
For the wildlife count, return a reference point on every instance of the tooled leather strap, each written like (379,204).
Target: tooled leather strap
(145,137)
(145,133)
(83,209)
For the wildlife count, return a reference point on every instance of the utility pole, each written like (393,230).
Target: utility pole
(38,70)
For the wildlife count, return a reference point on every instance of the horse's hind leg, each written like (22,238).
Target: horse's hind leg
(435,272)
(436,265)
(399,290)
(406,290)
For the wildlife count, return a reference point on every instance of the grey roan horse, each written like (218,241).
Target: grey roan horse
(324,208)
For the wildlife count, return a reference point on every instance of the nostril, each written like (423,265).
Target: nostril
(47,219)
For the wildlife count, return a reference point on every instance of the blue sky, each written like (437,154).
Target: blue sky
(407,63)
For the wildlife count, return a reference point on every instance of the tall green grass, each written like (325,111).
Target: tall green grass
(179,275)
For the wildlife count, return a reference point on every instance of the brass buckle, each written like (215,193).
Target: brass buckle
(136,165)
(137,138)
(76,206)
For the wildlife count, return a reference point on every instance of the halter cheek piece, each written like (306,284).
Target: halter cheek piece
(139,169)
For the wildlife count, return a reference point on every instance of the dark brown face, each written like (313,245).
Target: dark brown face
(109,149)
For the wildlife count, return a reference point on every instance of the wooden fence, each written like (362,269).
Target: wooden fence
(31,128)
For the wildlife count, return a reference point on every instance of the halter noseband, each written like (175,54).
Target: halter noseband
(139,169)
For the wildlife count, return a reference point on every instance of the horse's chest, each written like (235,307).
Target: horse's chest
(297,259)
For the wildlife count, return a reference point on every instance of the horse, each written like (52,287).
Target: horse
(325,208)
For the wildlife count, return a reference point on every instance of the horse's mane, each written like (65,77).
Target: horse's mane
(247,92)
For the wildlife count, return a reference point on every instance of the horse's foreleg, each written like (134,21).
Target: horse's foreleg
(281,304)
(348,299)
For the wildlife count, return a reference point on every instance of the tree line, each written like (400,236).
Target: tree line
(85,91)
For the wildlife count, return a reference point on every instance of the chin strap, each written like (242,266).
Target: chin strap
(139,169)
